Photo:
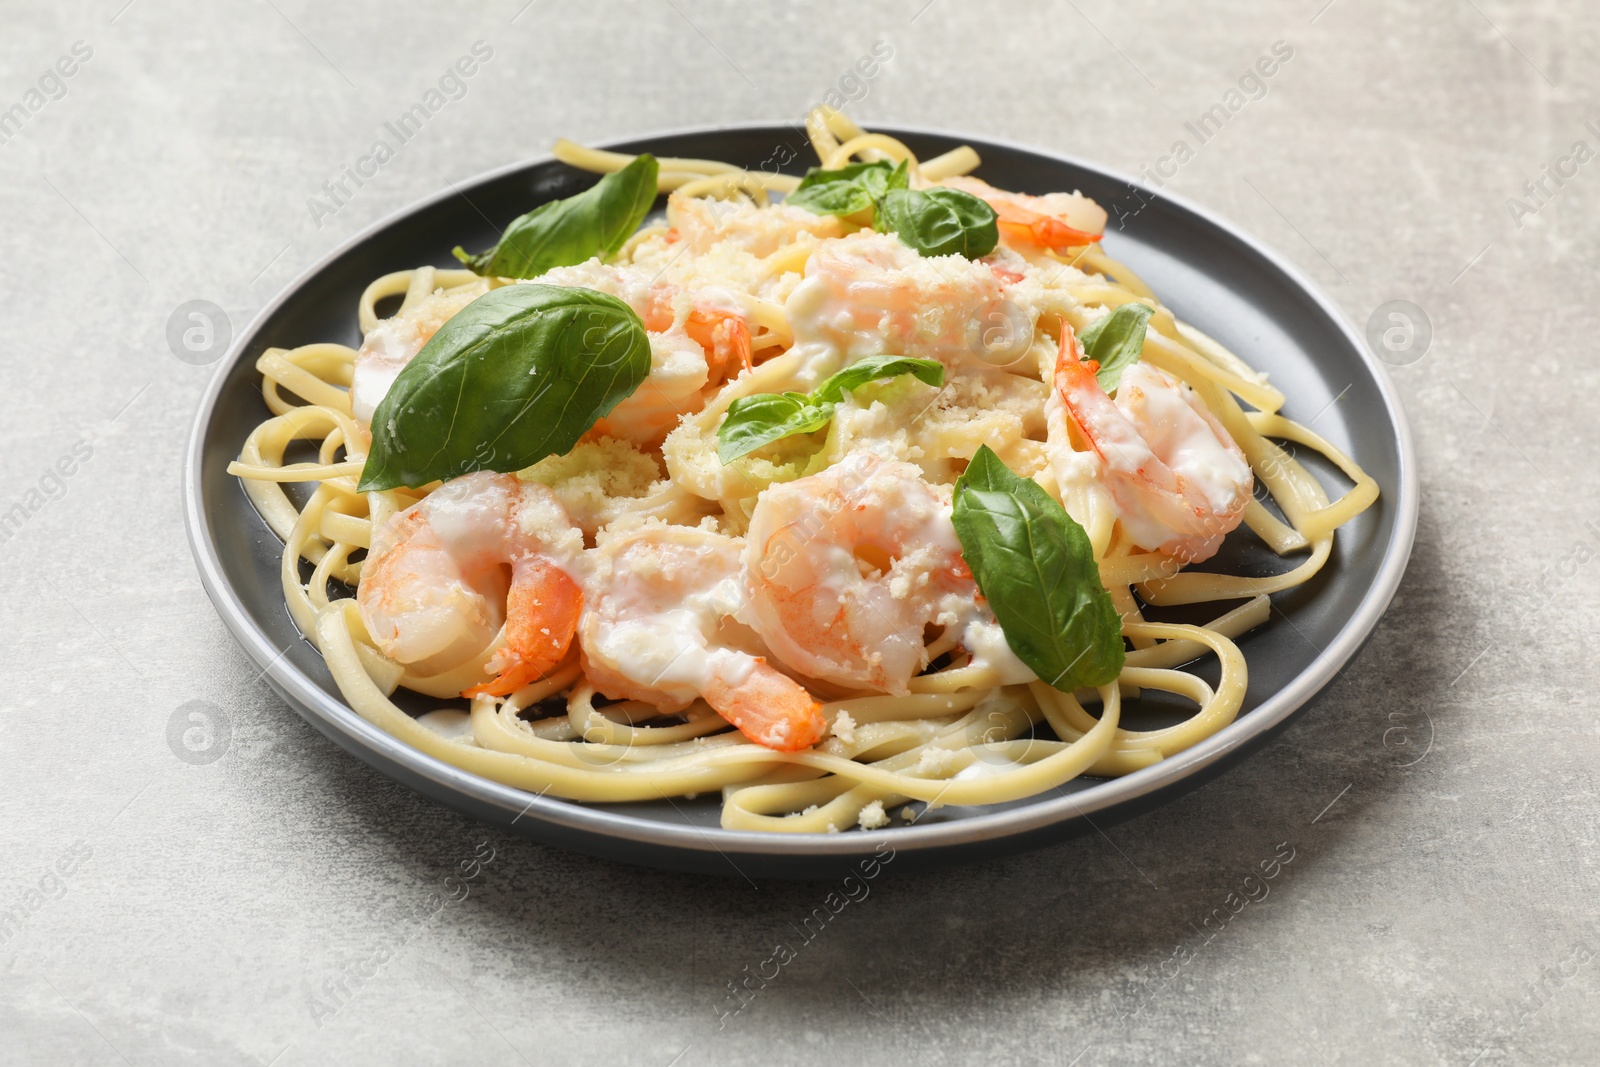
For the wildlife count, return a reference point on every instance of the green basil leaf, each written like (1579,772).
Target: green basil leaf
(753,421)
(940,221)
(1036,567)
(1116,341)
(760,419)
(880,184)
(595,222)
(872,368)
(519,374)
(848,189)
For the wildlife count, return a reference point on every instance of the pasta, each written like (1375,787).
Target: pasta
(644,540)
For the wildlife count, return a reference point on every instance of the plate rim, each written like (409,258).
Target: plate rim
(309,699)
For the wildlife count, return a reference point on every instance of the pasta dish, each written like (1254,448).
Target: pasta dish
(832,495)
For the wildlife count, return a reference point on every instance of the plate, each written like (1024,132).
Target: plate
(1205,269)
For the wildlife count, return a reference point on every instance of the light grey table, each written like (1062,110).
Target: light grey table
(283,904)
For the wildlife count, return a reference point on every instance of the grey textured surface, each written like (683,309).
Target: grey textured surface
(283,904)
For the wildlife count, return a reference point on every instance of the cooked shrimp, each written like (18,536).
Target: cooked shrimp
(435,592)
(677,384)
(698,338)
(1055,220)
(870,293)
(710,318)
(659,628)
(848,567)
(1179,483)
(394,342)
(688,361)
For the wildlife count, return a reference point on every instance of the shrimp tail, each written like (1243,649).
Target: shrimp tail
(1069,350)
(1034,228)
(725,338)
(542,609)
(1077,385)
(769,708)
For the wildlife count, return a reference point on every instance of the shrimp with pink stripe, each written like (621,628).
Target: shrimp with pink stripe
(483,555)
(660,627)
(1179,483)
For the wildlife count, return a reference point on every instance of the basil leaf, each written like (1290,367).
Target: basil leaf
(760,419)
(595,222)
(849,189)
(1037,569)
(899,178)
(1116,341)
(519,374)
(940,221)
(753,421)
(872,368)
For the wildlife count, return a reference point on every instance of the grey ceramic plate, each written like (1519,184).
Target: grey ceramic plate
(1211,275)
